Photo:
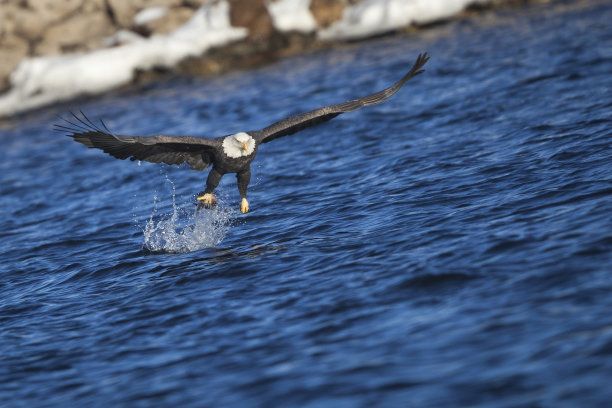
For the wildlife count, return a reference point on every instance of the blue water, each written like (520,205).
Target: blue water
(449,247)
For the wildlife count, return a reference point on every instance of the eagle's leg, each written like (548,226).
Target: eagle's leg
(208,199)
(243,178)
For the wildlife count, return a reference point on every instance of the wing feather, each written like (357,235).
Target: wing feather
(296,123)
(196,152)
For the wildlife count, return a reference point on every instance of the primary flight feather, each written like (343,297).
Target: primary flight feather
(227,154)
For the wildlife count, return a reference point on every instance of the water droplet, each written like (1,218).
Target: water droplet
(187,229)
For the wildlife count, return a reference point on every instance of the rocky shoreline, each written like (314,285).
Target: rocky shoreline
(41,28)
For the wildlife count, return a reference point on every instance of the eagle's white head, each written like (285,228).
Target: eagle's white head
(238,145)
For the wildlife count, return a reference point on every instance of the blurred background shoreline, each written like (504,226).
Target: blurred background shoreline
(58,51)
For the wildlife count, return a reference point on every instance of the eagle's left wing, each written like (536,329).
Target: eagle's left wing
(296,123)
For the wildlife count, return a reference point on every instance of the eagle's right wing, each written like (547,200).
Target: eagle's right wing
(195,151)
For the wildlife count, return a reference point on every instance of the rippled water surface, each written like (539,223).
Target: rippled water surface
(449,247)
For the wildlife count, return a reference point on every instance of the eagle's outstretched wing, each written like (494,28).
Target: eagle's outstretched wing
(296,123)
(195,151)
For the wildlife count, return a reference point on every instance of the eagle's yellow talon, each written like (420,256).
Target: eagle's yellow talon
(207,199)
(244,206)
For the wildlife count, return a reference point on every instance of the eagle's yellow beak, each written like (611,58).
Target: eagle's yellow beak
(244,146)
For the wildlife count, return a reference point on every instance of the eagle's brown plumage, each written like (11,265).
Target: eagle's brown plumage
(199,153)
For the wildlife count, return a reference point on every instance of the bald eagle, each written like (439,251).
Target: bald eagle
(227,154)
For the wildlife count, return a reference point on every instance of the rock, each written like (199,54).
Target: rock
(49,11)
(14,48)
(327,12)
(81,32)
(253,15)
(121,12)
(29,26)
(7,28)
(13,51)
(93,6)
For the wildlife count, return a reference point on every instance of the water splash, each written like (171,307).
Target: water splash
(186,229)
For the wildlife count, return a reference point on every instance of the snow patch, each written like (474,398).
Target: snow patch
(122,37)
(373,17)
(149,14)
(292,15)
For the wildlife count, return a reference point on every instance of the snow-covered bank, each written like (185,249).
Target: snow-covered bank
(373,17)
(42,80)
